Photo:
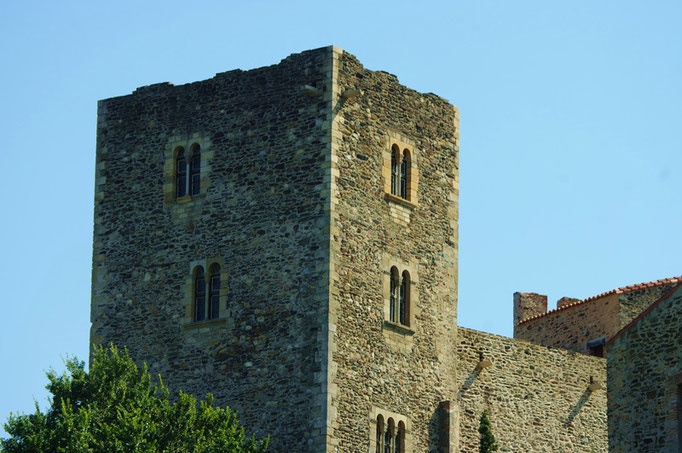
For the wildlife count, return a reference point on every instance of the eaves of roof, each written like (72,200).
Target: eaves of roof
(624,289)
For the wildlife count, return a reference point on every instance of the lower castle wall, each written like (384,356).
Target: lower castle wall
(538,397)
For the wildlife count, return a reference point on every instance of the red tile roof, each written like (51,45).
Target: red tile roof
(624,289)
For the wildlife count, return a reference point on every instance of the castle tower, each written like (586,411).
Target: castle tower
(286,239)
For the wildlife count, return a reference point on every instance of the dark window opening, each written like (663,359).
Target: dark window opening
(395,170)
(180,174)
(596,347)
(388,437)
(404,171)
(404,294)
(214,293)
(400,439)
(195,171)
(395,285)
(380,431)
(199,295)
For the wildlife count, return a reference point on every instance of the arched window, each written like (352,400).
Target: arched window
(404,299)
(195,171)
(388,436)
(395,294)
(180,173)
(404,175)
(399,445)
(380,433)
(395,170)
(199,294)
(214,292)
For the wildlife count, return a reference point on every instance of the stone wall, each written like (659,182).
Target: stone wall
(263,213)
(527,305)
(644,379)
(539,398)
(633,303)
(572,326)
(380,367)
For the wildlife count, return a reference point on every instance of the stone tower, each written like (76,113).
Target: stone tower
(286,239)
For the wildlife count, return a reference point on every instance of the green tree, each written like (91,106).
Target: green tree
(487,438)
(117,408)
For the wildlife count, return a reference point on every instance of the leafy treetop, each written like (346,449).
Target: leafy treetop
(116,408)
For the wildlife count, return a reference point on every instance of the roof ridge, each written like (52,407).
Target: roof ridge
(645,312)
(621,290)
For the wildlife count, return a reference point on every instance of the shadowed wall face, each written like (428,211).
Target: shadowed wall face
(257,210)
(645,378)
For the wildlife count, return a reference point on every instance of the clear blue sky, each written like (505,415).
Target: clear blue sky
(570,138)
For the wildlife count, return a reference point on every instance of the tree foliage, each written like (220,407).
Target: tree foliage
(117,408)
(487,438)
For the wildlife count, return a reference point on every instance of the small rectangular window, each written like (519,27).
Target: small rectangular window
(214,299)
(596,347)
(181,176)
(200,298)
(195,173)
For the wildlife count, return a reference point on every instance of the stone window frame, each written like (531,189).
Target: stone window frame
(388,263)
(398,419)
(189,320)
(400,285)
(404,146)
(188,143)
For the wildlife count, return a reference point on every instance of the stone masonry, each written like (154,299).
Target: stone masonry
(377,364)
(292,207)
(323,220)
(573,325)
(540,399)
(645,380)
(263,214)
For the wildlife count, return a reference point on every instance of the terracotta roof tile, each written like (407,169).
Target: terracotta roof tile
(621,290)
